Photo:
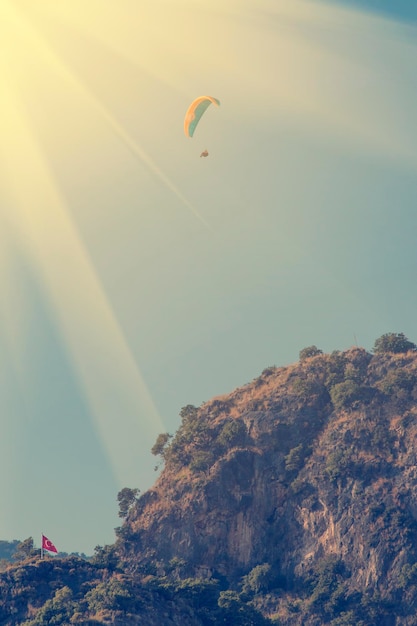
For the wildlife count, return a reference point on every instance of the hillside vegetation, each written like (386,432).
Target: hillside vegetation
(290,501)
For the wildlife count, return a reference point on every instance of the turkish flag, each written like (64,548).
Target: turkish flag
(48,545)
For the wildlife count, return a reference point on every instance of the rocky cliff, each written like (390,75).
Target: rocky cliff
(308,472)
(291,500)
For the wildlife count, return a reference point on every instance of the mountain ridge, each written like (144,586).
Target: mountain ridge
(290,501)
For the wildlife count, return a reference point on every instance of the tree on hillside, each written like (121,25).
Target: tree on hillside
(306,353)
(8,548)
(126,498)
(393,342)
(188,414)
(258,579)
(25,550)
(105,557)
(160,444)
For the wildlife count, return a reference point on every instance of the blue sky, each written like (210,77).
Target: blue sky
(136,277)
(405,10)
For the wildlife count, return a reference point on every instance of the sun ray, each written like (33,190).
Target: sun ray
(13,305)
(138,152)
(311,86)
(117,127)
(138,32)
(120,402)
(71,15)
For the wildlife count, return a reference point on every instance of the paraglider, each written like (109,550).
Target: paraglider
(195,111)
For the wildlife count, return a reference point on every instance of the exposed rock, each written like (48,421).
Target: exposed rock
(305,481)
(294,497)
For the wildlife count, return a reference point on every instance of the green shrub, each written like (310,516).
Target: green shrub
(337,463)
(57,611)
(399,384)
(345,394)
(160,444)
(127,498)
(232,432)
(353,373)
(393,342)
(114,595)
(268,371)
(25,550)
(347,618)
(305,388)
(326,582)
(408,575)
(258,579)
(307,353)
(236,612)
(335,369)
(294,459)
(194,430)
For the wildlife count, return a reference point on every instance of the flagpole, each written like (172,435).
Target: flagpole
(42,546)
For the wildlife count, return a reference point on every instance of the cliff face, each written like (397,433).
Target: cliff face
(292,501)
(309,470)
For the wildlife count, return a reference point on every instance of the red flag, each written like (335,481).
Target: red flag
(48,545)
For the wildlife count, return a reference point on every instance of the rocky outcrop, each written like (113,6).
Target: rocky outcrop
(291,501)
(321,474)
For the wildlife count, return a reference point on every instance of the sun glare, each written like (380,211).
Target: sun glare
(39,220)
(284,60)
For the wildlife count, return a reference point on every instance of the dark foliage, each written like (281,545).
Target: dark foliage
(307,353)
(8,549)
(127,498)
(291,501)
(393,342)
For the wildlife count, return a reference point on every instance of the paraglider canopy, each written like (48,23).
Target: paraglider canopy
(195,111)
